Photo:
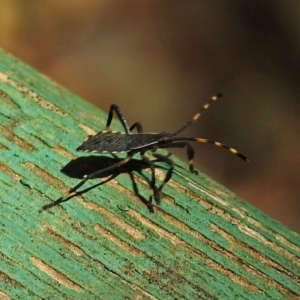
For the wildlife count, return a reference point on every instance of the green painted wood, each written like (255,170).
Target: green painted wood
(201,243)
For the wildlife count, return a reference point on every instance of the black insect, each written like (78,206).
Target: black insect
(132,143)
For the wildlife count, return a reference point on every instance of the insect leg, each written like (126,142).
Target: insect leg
(115,108)
(153,180)
(138,126)
(94,175)
(167,160)
(150,163)
(189,151)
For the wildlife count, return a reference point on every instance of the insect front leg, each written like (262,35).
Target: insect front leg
(159,158)
(152,182)
(167,160)
(190,154)
(189,151)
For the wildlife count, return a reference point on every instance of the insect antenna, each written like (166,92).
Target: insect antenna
(218,144)
(198,114)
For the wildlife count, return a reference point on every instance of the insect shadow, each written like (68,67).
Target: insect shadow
(80,166)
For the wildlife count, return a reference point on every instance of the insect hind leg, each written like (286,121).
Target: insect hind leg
(138,126)
(72,192)
(115,108)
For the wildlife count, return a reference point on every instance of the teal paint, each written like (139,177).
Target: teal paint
(201,243)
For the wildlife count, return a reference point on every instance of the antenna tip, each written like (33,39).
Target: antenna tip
(243,157)
(216,97)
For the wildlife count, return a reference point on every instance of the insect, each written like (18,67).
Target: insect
(108,141)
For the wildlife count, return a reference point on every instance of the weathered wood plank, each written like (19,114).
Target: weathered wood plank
(202,242)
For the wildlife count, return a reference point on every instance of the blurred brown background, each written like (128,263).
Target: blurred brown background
(162,60)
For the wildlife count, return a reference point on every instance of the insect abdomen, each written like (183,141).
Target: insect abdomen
(112,141)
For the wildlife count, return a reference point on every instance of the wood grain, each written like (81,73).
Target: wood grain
(202,242)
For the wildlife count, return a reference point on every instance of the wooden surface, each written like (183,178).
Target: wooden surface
(201,243)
